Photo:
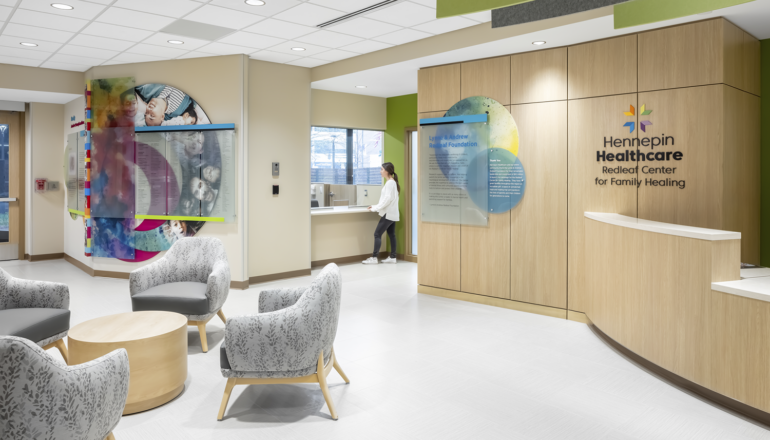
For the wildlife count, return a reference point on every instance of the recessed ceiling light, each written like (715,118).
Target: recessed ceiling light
(176,41)
(62,6)
(298,49)
(29,44)
(255,2)
(538,43)
(360,87)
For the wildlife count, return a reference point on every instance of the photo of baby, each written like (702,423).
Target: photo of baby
(164,105)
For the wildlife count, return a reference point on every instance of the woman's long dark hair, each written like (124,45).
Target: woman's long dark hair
(387,166)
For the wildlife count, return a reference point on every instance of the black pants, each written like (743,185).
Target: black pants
(382,226)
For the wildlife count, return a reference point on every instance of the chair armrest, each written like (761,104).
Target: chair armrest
(277,299)
(30,294)
(283,340)
(218,285)
(149,276)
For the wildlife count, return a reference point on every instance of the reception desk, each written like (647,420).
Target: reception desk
(672,298)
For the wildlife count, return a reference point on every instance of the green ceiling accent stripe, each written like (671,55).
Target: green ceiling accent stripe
(638,12)
(451,8)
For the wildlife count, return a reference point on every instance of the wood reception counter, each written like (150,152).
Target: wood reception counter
(671,297)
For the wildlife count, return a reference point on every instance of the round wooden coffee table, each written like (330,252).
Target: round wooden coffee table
(156,343)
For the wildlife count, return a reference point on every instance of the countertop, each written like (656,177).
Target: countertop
(756,287)
(663,228)
(337,210)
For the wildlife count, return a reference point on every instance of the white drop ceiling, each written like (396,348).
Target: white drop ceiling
(102,32)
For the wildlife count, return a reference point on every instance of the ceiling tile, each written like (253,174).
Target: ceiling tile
(65,66)
(223,17)
(101,2)
(335,55)
(346,5)
(309,14)
(74,59)
(171,8)
(280,29)
(86,11)
(89,52)
(274,57)
(310,49)
(366,46)
(248,39)
(141,20)
(270,8)
(403,36)
(156,51)
(448,24)
(21,61)
(404,14)
(481,17)
(225,49)
(328,39)
(364,27)
(5,12)
(100,42)
(428,3)
(20,30)
(161,39)
(132,58)
(10,3)
(115,31)
(307,62)
(194,54)
(34,18)
(23,53)
(45,46)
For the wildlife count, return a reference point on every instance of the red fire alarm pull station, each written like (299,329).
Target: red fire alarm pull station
(40,185)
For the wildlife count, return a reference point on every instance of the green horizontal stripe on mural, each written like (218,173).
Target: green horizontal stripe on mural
(75,211)
(451,8)
(638,12)
(185,219)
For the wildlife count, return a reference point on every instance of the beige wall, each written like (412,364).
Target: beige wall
(279,131)
(40,80)
(344,235)
(346,110)
(45,161)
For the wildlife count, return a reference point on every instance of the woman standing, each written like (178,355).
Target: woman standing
(388,209)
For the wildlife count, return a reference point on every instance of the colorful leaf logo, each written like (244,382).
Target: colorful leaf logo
(631,111)
(645,112)
(631,125)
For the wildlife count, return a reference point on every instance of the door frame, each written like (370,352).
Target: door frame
(16,178)
(408,251)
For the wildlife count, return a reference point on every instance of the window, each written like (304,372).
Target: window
(345,156)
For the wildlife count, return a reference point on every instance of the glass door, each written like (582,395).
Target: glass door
(9,186)
(412,154)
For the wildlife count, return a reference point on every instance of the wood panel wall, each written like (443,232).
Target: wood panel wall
(565,102)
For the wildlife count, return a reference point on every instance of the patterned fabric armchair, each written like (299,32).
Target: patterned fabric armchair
(289,341)
(42,398)
(192,279)
(36,310)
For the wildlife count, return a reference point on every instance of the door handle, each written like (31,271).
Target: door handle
(8,199)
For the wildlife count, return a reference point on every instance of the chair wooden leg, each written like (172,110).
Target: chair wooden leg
(226,398)
(110,436)
(339,370)
(63,350)
(222,316)
(202,331)
(324,386)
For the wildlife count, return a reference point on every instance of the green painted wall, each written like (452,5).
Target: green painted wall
(402,113)
(764,229)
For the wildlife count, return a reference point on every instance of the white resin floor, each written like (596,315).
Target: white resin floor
(420,367)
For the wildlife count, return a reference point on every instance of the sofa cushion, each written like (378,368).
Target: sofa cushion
(184,298)
(34,324)
(223,361)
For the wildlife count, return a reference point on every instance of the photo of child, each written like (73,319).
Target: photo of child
(164,105)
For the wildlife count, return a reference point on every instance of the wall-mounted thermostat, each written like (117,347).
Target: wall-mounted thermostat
(276,168)
(275,190)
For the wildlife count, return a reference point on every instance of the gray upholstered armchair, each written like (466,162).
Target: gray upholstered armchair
(42,398)
(192,279)
(289,341)
(36,310)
